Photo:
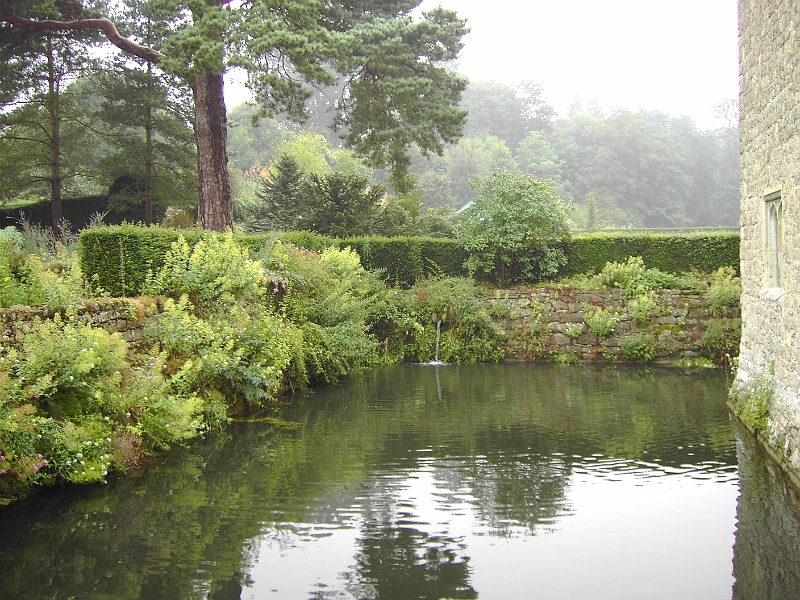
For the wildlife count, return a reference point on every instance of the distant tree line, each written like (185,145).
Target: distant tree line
(624,169)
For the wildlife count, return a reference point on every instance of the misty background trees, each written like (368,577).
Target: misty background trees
(625,168)
(76,126)
(393,69)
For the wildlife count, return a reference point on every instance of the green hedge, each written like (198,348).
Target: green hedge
(672,253)
(122,255)
(404,260)
(78,211)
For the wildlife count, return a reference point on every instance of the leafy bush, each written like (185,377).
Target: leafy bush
(724,289)
(241,351)
(643,306)
(327,296)
(467,331)
(216,271)
(635,279)
(36,268)
(721,340)
(515,229)
(72,408)
(642,346)
(601,321)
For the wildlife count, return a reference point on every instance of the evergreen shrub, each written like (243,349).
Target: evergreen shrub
(122,255)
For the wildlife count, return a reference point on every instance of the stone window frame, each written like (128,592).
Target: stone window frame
(773,238)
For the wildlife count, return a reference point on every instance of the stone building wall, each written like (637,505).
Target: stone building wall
(769,104)
(550,323)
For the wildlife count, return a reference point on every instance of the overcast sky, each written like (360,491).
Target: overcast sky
(680,56)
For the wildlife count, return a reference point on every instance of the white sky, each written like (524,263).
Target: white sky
(680,56)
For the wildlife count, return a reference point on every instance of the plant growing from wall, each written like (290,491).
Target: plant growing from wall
(724,288)
(721,339)
(601,321)
(642,346)
(752,405)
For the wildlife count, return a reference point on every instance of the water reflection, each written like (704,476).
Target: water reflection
(488,481)
(766,563)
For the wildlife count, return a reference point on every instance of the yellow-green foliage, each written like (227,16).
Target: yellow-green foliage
(643,306)
(601,321)
(635,279)
(73,408)
(217,270)
(327,295)
(52,278)
(725,288)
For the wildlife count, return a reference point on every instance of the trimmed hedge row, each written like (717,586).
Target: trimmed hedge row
(78,211)
(121,256)
(672,253)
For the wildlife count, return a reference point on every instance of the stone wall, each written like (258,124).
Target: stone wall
(541,323)
(770,166)
(128,316)
(549,323)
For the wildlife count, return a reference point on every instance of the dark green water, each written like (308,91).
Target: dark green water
(488,481)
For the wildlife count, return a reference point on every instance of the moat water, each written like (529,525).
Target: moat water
(487,481)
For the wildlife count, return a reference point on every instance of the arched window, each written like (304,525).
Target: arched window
(773,255)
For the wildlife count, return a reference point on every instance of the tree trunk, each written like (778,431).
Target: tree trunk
(148,161)
(210,131)
(55,142)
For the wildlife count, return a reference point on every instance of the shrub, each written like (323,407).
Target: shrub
(467,331)
(642,346)
(635,279)
(724,288)
(515,229)
(721,339)
(327,296)
(600,320)
(216,271)
(643,306)
(670,253)
(72,408)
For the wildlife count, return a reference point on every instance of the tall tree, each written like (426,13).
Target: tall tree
(278,193)
(148,112)
(35,67)
(506,112)
(397,89)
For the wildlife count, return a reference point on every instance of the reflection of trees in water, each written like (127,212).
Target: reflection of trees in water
(766,557)
(189,526)
(519,491)
(403,562)
(397,558)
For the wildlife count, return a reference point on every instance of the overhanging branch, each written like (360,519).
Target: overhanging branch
(103,25)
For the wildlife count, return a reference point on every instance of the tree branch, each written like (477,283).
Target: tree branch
(103,25)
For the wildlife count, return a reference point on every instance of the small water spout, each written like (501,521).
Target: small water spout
(438,332)
(438,320)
